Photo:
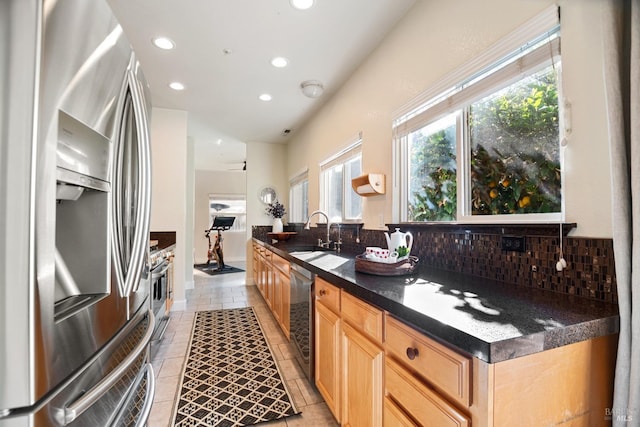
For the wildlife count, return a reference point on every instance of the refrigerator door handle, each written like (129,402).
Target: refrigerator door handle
(131,245)
(75,409)
(141,239)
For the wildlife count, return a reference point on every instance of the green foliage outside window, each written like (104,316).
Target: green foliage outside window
(515,166)
(432,179)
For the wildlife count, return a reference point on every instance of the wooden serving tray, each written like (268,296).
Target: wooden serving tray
(282,236)
(400,268)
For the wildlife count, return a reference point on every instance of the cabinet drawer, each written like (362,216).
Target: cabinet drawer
(280,263)
(328,294)
(420,402)
(394,416)
(362,316)
(445,369)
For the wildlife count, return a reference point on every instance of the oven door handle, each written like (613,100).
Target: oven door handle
(74,410)
(157,274)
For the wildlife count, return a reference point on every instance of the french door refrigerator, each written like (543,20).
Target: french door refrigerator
(75,318)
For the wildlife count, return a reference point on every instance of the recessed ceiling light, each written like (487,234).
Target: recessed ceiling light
(301,4)
(219,141)
(164,43)
(279,62)
(176,86)
(265,97)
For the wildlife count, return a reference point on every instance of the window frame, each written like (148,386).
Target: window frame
(341,158)
(221,197)
(487,74)
(301,178)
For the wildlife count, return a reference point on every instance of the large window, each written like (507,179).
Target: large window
(337,198)
(488,147)
(299,197)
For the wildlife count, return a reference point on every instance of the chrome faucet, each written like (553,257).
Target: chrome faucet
(307,226)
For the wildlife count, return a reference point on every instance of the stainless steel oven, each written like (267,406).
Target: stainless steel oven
(159,296)
(302,337)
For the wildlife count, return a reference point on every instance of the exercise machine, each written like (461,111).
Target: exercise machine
(215,252)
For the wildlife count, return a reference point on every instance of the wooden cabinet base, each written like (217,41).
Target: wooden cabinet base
(569,385)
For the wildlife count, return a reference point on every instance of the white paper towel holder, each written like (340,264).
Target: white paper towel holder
(371,184)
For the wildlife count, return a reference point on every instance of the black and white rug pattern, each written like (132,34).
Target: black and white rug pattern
(230,377)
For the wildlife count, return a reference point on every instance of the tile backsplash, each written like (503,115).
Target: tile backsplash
(590,271)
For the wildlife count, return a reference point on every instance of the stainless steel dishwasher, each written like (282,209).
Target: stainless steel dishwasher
(302,337)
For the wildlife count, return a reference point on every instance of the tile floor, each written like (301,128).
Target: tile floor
(219,292)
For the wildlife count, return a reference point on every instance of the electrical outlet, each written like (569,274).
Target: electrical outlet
(513,243)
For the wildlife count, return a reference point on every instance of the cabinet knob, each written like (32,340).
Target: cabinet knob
(412,353)
(322,292)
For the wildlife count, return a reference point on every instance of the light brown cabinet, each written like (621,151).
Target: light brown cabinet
(271,276)
(373,369)
(281,306)
(362,362)
(327,344)
(349,356)
(446,370)
(264,273)
(255,265)
(568,385)
(408,398)
(362,367)
(425,381)
(432,384)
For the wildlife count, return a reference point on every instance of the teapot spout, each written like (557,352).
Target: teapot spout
(386,235)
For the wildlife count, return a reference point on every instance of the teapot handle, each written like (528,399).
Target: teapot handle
(410,243)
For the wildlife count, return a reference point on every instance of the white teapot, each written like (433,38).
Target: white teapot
(398,239)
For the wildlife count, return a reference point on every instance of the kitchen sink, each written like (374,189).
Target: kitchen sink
(320,257)
(308,248)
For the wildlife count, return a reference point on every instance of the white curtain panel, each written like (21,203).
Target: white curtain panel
(621,38)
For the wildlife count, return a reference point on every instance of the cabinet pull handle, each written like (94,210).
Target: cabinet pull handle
(412,353)
(322,292)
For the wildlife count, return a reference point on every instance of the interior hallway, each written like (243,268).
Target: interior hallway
(220,292)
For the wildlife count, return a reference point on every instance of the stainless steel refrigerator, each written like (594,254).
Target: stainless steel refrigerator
(75,318)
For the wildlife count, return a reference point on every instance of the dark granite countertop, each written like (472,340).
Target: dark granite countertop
(488,320)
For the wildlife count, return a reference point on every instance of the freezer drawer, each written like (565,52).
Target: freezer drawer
(116,387)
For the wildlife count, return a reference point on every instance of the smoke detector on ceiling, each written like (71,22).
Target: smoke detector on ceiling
(312,88)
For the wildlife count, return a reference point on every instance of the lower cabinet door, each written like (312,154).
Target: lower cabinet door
(362,370)
(327,354)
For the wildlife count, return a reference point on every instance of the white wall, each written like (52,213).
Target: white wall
(217,182)
(434,38)
(169,192)
(265,167)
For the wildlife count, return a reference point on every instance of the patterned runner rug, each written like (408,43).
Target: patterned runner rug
(230,377)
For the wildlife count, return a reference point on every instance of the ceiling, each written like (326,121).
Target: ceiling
(223,53)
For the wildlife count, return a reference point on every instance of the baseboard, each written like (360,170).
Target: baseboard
(179,305)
